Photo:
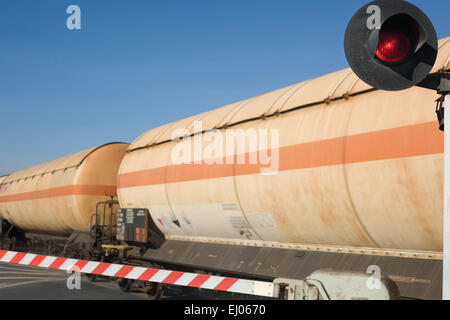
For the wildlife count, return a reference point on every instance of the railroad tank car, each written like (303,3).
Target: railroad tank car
(2,178)
(347,165)
(60,196)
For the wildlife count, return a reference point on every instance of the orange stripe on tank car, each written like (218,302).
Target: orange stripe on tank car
(84,190)
(402,142)
(94,190)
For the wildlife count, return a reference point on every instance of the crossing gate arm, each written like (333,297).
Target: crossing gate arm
(186,279)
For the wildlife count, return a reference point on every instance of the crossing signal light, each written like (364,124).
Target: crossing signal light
(391,44)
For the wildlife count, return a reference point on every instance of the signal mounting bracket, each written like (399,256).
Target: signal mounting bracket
(440,82)
(444,87)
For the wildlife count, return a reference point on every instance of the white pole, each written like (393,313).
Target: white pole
(446,264)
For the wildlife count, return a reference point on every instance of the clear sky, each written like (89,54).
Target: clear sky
(135,65)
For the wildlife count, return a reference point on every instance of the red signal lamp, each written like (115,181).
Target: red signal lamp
(394,46)
(395,53)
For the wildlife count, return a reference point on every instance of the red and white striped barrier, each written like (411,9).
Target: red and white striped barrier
(187,279)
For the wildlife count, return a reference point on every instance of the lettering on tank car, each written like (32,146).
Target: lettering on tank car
(130,216)
(262,220)
(167,222)
(134,226)
(238,222)
(230,207)
(140,234)
(186,220)
(120,226)
(406,279)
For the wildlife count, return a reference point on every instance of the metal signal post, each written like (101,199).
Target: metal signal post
(446,231)
(441,82)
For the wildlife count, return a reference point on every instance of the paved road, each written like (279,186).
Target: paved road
(29,283)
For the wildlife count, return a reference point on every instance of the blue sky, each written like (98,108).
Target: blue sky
(139,64)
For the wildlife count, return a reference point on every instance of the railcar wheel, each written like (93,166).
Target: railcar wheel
(50,248)
(155,291)
(12,243)
(125,285)
(91,277)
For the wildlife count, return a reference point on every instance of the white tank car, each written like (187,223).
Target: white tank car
(349,166)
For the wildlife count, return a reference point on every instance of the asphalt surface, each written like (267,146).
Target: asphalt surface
(30,283)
